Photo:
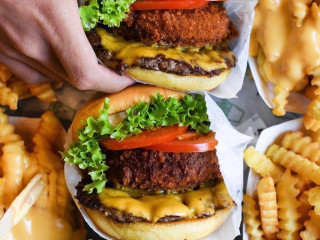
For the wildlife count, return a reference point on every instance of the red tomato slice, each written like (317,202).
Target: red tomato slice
(146,138)
(168,4)
(188,142)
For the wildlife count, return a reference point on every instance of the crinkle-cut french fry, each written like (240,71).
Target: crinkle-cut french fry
(314,199)
(19,87)
(52,200)
(8,97)
(2,205)
(42,201)
(48,132)
(288,207)
(32,170)
(312,231)
(305,206)
(279,100)
(5,73)
(43,91)
(303,166)
(13,163)
(312,116)
(7,130)
(262,165)
(250,218)
(50,127)
(52,130)
(63,196)
(315,136)
(303,184)
(261,61)
(268,207)
(302,145)
(46,158)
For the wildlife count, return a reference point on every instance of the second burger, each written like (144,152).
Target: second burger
(149,165)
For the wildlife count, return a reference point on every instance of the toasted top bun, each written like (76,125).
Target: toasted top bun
(190,229)
(120,101)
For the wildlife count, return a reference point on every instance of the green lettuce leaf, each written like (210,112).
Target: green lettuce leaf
(108,12)
(87,154)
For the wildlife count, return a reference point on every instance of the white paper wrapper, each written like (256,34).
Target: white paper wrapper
(267,138)
(229,152)
(241,13)
(297,101)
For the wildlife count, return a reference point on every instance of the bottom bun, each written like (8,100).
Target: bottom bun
(190,229)
(173,81)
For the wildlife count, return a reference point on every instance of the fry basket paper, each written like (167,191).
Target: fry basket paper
(241,13)
(267,138)
(230,154)
(297,101)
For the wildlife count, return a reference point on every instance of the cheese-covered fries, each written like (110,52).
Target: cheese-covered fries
(285,44)
(52,213)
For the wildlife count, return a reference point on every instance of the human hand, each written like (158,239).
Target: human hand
(43,40)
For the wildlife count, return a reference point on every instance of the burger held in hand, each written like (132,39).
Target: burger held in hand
(149,165)
(179,45)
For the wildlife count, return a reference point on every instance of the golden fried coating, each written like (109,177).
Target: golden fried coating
(186,27)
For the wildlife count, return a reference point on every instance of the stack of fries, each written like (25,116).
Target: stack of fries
(12,89)
(21,160)
(287,202)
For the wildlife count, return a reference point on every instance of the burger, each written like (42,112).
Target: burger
(179,45)
(149,166)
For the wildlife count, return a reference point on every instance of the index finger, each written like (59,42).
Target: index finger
(76,54)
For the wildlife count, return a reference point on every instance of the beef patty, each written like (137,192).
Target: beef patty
(155,170)
(179,27)
(92,201)
(159,63)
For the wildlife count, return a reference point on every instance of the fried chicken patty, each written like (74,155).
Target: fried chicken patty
(182,27)
(155,170)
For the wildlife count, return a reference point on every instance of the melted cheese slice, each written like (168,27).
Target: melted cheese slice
(129,52)
(153,207)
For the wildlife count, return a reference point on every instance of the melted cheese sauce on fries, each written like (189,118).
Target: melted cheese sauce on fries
(286,40)
(51,216)
(39,223)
